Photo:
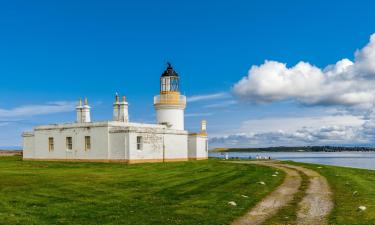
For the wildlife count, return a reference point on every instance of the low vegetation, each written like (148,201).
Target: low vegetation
(97,193)
(352,188)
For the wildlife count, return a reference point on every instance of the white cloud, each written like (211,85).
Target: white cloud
(197,114)
(327,129)
(221,104)
(292,124)
(345,83)
(196,98)
(41,109)
(326,135)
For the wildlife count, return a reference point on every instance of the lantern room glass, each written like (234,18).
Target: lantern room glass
(169,83)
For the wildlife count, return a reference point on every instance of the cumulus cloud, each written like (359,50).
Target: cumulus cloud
(328,129)
(344,83)
(291,124)
(326,135)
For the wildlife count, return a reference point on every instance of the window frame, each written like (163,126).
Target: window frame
(69,143)
(139,143)
(87,143)
(51,144)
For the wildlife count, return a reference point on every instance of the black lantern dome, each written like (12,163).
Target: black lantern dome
(169,80)
(169,72)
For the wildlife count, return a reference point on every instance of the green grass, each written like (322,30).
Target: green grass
(351,188)
(98,193)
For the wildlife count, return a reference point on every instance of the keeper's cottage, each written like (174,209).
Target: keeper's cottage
(119,139)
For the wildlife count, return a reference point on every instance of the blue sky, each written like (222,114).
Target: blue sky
(53,52)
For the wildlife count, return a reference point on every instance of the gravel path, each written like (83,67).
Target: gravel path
(317,203)
(271,204)
(314,207)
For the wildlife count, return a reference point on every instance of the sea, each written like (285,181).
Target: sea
(363,160)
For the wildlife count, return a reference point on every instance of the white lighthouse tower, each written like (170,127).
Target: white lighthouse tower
(170,104)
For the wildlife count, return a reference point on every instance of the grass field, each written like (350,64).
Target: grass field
(98,193)
(351,188)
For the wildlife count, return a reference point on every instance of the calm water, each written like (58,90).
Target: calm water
(365,160)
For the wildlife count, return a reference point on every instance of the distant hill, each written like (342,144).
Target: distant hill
(10,152)
(297,149)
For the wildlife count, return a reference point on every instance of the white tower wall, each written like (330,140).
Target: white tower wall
(174,117)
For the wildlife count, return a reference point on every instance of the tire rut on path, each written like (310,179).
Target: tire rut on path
(317,203)
(314,207)
(272,203)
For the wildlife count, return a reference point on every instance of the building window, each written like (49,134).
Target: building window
(87,143)
(69,143)
(139,143)
(51,146)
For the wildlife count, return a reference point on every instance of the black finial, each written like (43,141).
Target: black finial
(169,65)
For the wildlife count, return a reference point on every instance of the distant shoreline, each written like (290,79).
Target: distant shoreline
(10,152)
(298,149)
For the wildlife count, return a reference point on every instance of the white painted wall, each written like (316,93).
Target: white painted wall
(171,115)
(176,146)
(99,143)
(109,141)
(158,145)
(198,147)
(28,144)
(118,148)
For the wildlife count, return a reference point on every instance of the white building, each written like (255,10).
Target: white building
(120,140)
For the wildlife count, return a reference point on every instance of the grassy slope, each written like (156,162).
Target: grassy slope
(345,182)
(95,193)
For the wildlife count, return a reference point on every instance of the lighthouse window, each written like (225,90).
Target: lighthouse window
(139,143)
(163,85)
(69,143)
(174,84)
(51,146)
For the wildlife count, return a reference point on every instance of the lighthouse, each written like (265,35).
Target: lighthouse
(119,140)
(170,104)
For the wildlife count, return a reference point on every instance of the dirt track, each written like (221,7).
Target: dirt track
(314,207)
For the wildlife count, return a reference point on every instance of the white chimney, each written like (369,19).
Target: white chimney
(86,117)
(124,115)
(204,127)
(116,109)
(79,109)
